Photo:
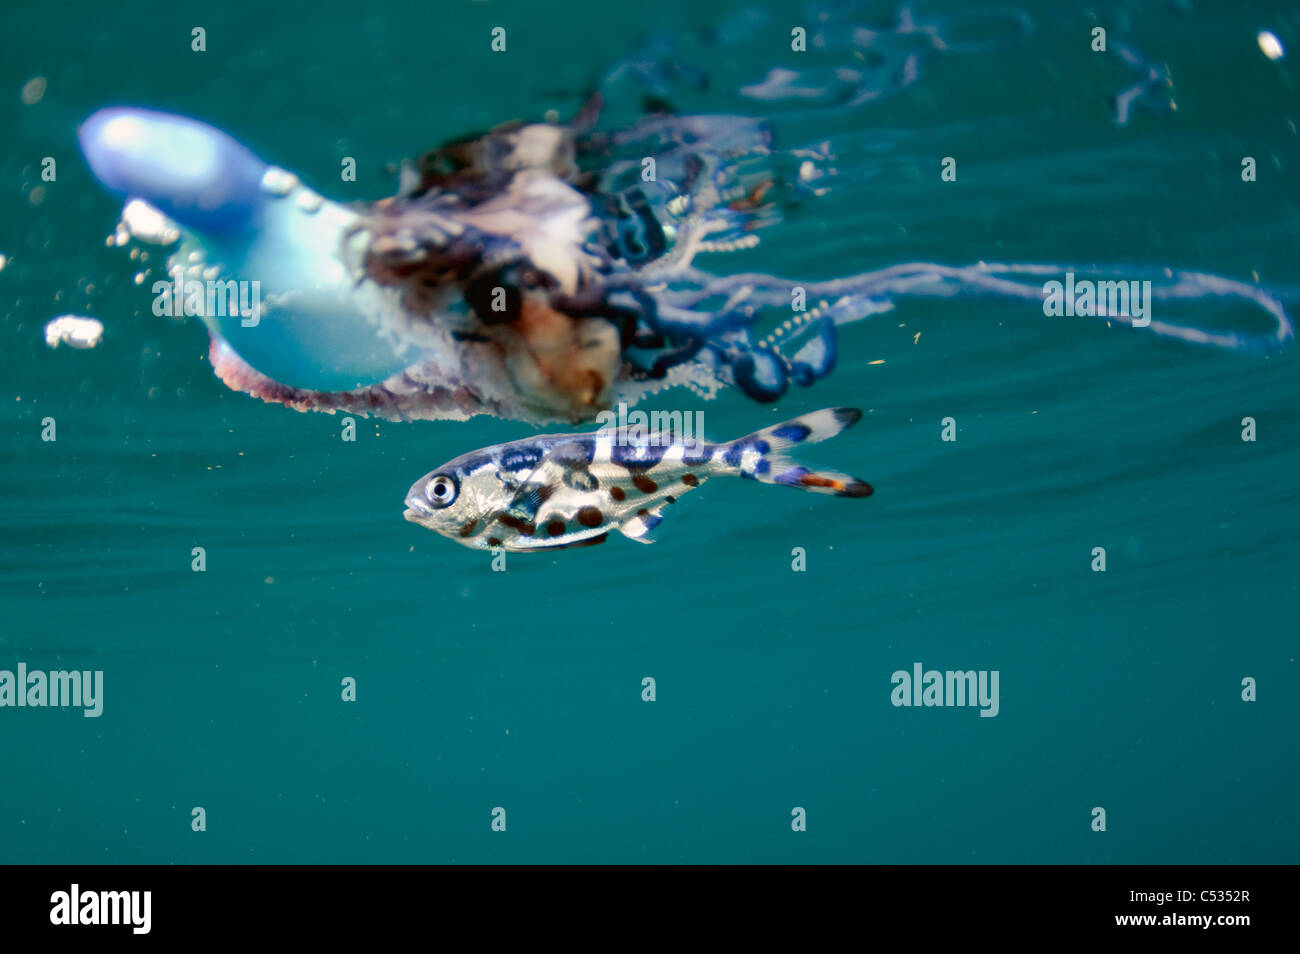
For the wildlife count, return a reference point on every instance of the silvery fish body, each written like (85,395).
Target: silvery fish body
(570,490)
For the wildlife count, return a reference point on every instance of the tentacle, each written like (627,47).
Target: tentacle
(816,358)
(697,313)
(761,375)
(866,293)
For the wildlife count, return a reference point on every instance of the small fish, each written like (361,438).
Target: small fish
(570,490)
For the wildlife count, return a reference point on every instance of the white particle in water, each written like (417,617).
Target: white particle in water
(34,90)
(142,221)
(73,330)
(1270,45)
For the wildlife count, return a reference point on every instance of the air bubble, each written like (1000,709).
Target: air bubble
(277,181)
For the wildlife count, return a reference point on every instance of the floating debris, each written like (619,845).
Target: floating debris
(1153,90)
(1270,45)
(75,331)
(142,221)
(34,90)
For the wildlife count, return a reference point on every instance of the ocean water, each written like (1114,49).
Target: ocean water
(522,689)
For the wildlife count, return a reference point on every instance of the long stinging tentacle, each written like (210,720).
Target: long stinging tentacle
(928,279)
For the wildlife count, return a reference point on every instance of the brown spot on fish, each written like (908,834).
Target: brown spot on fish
(617,493)
(494,541)
(645,484)
(590,517)
(555,528)
(643,512)
(469,528)
(690,480)
(515,523)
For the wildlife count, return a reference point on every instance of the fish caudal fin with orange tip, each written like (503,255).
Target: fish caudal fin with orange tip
(764,455)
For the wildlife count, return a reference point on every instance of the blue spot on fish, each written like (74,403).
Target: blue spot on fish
(520,458)
(697,455)
(635,457)
(792,432)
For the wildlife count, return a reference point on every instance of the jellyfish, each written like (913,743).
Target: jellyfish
(543,271)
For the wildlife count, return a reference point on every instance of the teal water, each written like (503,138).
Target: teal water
(522,689)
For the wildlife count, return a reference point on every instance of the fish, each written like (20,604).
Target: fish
(560,491)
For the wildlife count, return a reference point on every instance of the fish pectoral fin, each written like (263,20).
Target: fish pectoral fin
(546,478)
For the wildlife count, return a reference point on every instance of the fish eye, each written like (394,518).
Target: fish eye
(441,490)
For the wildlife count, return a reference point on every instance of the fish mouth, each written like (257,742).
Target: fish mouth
(414,512)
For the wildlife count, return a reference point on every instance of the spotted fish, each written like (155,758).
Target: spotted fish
(570,490)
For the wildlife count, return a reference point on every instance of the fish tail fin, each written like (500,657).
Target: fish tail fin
(765,455)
